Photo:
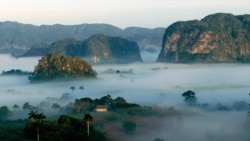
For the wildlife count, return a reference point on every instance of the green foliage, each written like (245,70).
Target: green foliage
(55,66)
(114,104)
(190,98)
(16,72)
(55,106)
(69,128)
(105,100)
(10,135)
(35,125)
(4,112)
(186,57)
(107,49)
(88,118)
(98,48)
(65,129)
(26,106)
(34,115)
(75,128)
(15,106)
(159,139)
(83,104)
(244,59)
(87,104)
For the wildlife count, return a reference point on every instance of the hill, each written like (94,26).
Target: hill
(16,38)
(217,38)
(55,66)
(98,49)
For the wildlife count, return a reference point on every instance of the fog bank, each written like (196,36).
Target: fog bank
(148,84)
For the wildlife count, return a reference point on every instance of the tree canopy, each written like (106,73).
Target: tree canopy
(55,66)
(189,97)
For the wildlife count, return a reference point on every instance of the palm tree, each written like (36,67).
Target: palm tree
(40,117)
(88,118)
(81,88)
(55,106)
(72,88)
(26,106)
(15,107)
(190,98)
(34,116)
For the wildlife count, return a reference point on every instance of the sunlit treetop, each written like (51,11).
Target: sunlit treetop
(55,66)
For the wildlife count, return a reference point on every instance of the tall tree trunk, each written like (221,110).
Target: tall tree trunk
(88,128)
(38,136)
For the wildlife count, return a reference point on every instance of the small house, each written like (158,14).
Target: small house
(101,108)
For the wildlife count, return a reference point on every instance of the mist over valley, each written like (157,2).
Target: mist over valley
(102,83)
(147,84)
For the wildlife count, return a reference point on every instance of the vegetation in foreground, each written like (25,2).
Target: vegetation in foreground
(80,120)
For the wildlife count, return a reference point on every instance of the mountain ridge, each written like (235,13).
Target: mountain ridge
(16,38)
(97,48)
(217,38)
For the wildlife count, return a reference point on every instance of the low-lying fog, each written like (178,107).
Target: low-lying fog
(148,84)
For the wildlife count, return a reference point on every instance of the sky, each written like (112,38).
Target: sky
(120,13)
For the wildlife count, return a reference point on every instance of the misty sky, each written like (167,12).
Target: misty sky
(121,13)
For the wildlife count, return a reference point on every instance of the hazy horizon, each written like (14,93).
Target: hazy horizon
(140,13)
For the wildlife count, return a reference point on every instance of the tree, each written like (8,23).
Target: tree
(72,88)
(120,100)
(81,104)
(81,88)
(88,118)
(190,98)
(15,107)
(106,100)
(26,106)
(158,139)
(40,117)
(4,112)
(36,120)
(55,66)
(55,106)
(34,115)
(74,129)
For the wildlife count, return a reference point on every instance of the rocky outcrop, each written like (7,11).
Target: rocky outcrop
(37,50)
(55,66)
(97,49)
(216,38)
(111,49)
